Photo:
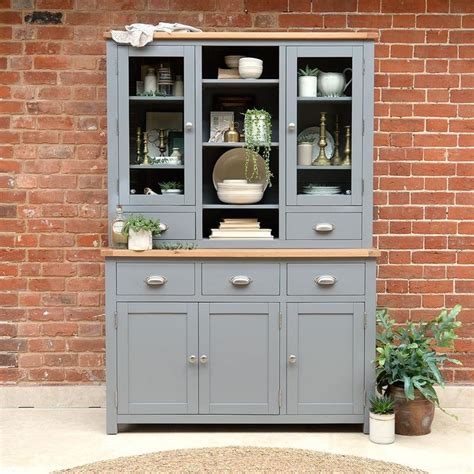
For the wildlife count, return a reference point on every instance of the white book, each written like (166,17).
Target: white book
(229,225)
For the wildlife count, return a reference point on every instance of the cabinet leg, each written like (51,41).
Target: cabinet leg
(365,428)
(112,426)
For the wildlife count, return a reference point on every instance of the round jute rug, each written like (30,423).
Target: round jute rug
(242,460)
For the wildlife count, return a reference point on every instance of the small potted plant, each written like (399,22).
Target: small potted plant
(258,139)
(308,82)
(382,420)
(408,364)
(140,232)
(171,187)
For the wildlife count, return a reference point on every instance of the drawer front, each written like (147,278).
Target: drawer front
(320,279)
(241,279)
(180,225)
(158,279)
(323,226)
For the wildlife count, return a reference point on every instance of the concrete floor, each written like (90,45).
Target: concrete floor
(42,440)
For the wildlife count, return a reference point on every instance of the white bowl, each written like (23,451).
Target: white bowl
(232,61)
(172,191)
(231,198)
(250,62)
(234,181)
(250,72)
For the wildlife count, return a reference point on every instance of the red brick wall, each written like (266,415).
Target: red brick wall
(53,163)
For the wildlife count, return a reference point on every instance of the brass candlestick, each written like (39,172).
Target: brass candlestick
(347,147)
(162,142)
(139,145)
(336,159)
(322,159)
(146,156)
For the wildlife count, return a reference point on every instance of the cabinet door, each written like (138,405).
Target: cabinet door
(311,183)
(169,114)
(155,373)
(241,344)
(325,358)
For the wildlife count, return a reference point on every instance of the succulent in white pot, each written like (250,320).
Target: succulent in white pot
(171,187)
(140,232)
(382,420)
(308,82)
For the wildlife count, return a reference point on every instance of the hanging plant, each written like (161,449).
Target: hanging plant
(258,139)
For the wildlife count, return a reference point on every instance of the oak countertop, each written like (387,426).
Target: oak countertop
(243,253)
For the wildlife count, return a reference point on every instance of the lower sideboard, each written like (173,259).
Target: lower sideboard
(239,340)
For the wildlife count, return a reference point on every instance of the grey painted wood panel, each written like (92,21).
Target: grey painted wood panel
(346,226)
(327,341)
(131,278)
(154,343)
(349,279)
(217,278)
(241,341)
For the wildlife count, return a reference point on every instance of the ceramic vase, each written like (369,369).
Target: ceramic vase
(305,153)
(259,129)
(308,86)
(140,240)
(382,428)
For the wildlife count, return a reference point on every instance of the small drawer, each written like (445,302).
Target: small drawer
(323,226)
(179,225)
(159,279)
(326,279)
(251,279)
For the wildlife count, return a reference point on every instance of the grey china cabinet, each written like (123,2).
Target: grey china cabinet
(276,330)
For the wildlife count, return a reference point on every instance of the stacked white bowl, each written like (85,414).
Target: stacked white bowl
(232,61)
(239,191)
(250,68)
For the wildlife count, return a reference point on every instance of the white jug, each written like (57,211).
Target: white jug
(333,84)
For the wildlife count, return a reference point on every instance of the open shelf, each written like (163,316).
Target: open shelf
(156,167)
(229,144)
(240,206)
(324,99)
(239,82)
(324,168)
(156,98)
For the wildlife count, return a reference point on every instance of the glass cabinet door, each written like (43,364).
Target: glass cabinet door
(156,125)
(324,125)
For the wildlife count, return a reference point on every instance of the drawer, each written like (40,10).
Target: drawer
(158,279)
(180,225)
(251,279)
(323,226)
(320,279)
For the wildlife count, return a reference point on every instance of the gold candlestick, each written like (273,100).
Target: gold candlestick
(139,145)
(336,159)
(322,159)
(162,142)
(347,147)
(146,156)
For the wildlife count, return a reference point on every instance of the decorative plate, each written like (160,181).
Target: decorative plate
(311,134)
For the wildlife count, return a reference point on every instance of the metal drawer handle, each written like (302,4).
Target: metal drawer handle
(164,227)
(241,280)
(292,359)
(192,359)
(155,280)
(325,280)
(203,359)
(324,227)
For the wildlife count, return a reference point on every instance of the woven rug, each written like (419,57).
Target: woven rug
(241,460)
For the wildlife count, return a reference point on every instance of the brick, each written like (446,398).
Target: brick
(300,20)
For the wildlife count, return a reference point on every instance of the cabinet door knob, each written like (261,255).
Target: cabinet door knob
(164,227)
(192,359)
(189,125)
(292,359)
(156,280)
(324,227)
(241,280)
(291,126)
(325,280)
(203,359)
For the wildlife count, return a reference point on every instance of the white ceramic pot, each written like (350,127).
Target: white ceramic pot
(172,191)
(258,129)
(333,84)
(308,86)
(140,240)
(382,428)
(305,153)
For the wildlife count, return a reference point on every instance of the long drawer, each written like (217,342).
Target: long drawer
(320,279)
(251,279)
(158,279)
(180,225)
(323,226)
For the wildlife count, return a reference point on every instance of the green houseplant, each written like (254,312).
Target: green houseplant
(308,82)
(408,364)
(140,230)
(382,420)
(171,187)
(258,137)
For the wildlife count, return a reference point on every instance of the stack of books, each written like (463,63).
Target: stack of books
(223,73)
(240,229)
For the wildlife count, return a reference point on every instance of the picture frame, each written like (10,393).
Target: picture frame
(220,121)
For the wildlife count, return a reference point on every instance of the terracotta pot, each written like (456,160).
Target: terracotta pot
(412,417)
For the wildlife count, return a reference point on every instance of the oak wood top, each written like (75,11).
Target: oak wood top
(264,35)
(244,253)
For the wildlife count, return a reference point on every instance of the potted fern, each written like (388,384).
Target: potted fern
(382,420)
(308,82)
(408,364)
(140,230)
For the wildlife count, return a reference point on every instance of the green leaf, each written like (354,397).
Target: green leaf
(409,390)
